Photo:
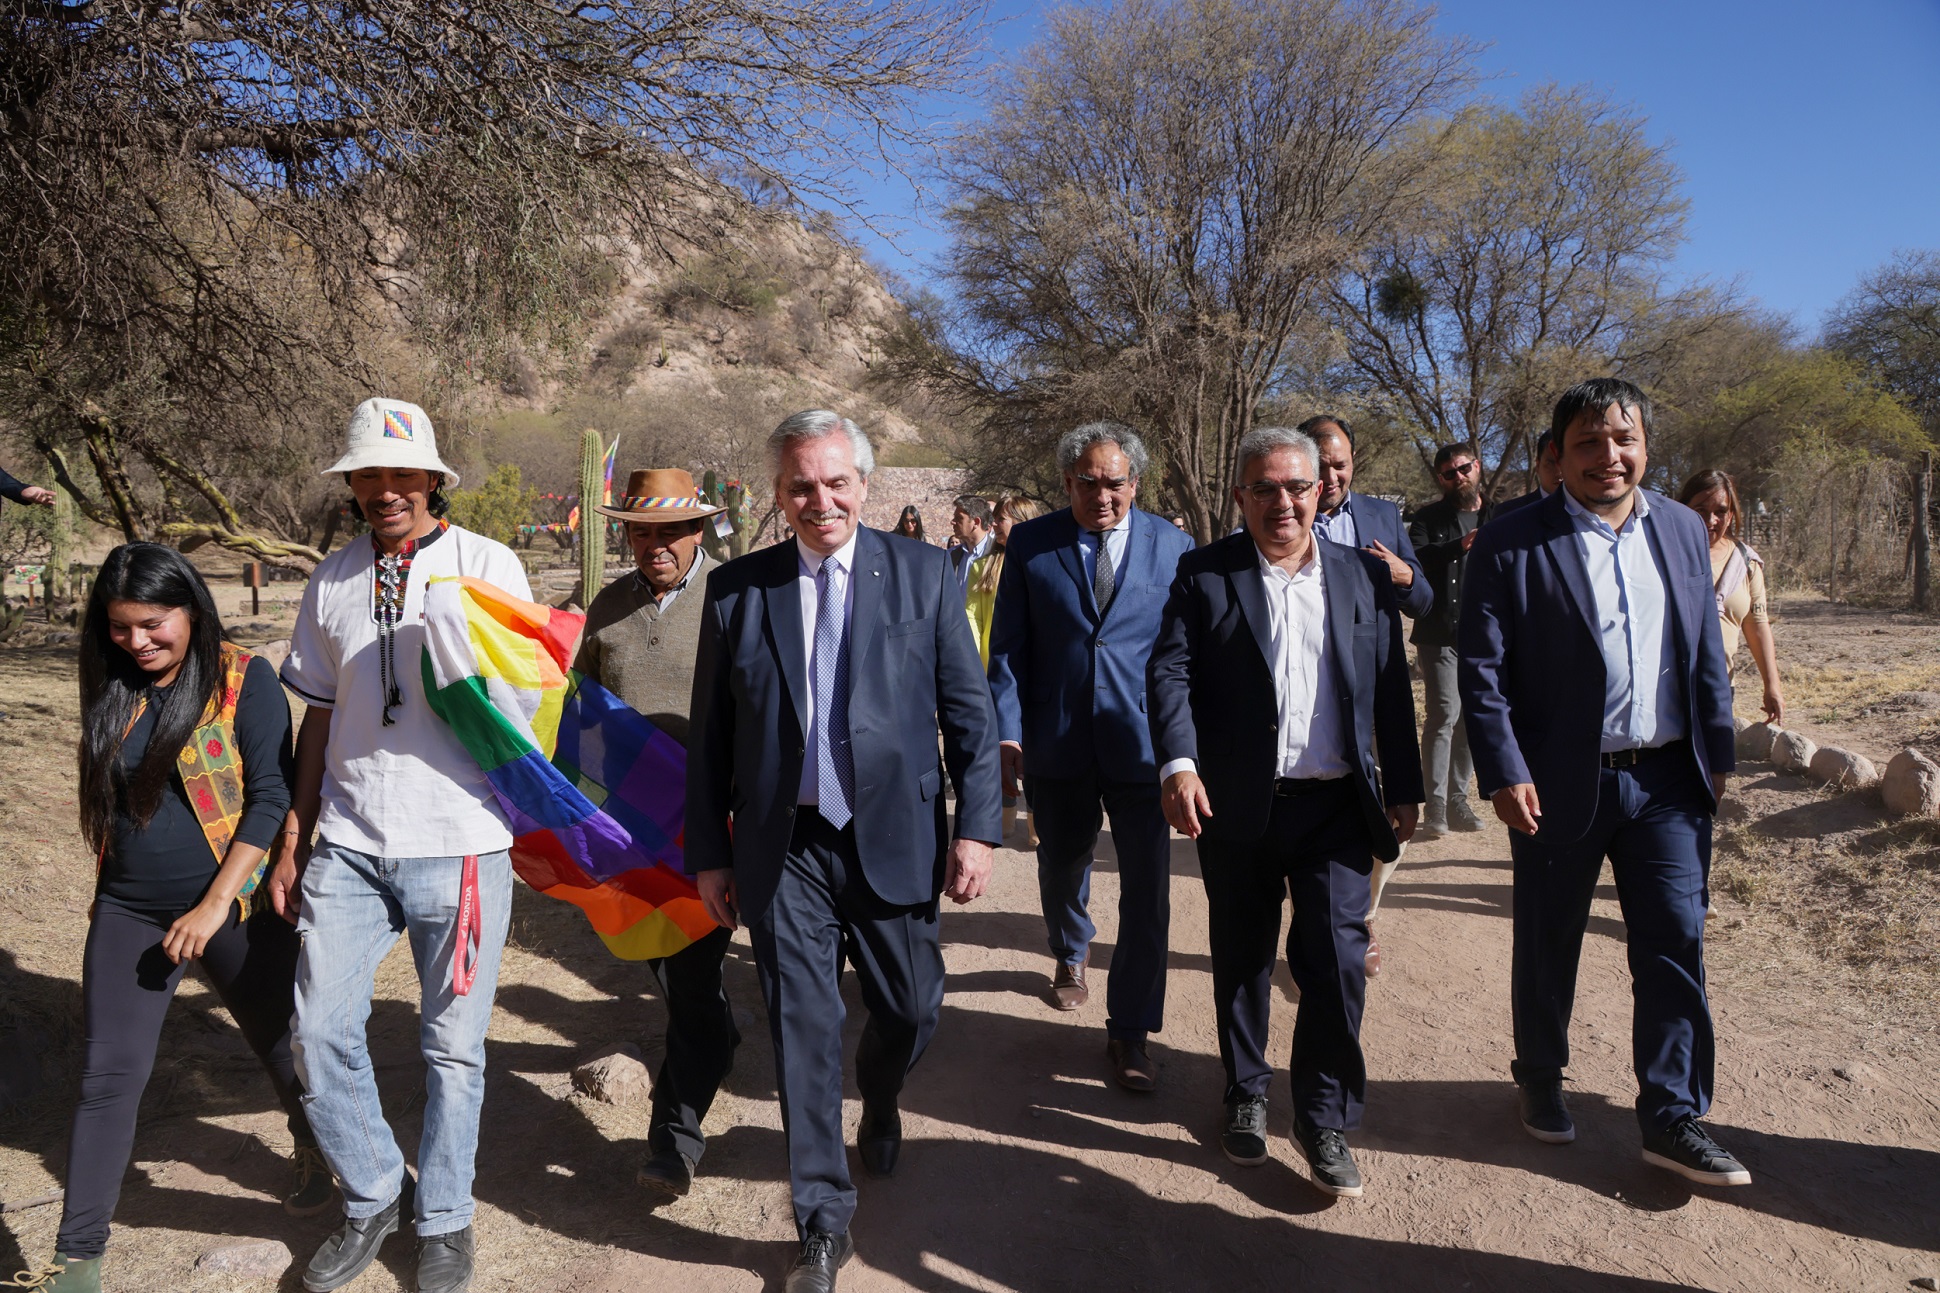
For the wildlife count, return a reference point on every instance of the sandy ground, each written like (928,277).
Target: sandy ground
(1024,1169)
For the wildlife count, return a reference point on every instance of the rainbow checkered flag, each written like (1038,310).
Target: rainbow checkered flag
(595,792)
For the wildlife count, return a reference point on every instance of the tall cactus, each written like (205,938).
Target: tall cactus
(592,525)
(61,553)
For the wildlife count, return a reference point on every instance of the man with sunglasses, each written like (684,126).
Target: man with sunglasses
(1077,610)
(1441,533)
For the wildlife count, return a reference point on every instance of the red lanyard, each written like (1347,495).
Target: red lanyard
(470,932)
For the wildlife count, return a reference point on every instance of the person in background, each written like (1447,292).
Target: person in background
(970,530)
(1277,683)
(1549,473)
(910,524)
(184,781)
(1077,611)
(1357,521)
(1738,580)
(1442,533)
(639,642)
(19,491)
(981,605)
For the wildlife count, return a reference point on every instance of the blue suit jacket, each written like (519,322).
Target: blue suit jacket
(1532,674)
(913,668)
(1213,699)
(1070,685)
(1376,519)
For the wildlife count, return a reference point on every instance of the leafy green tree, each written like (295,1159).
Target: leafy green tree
(1891,323)
(497,508)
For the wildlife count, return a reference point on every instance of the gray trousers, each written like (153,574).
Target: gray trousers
(1445,763)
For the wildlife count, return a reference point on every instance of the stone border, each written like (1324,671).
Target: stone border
(1910,786)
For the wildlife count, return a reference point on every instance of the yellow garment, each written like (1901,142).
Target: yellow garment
(980,606)
(1746,603)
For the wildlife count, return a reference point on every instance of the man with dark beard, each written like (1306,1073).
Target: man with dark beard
(1441,533)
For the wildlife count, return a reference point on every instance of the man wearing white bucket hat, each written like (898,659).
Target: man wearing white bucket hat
(408,839)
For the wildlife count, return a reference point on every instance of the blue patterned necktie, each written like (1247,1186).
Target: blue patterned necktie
(834,761)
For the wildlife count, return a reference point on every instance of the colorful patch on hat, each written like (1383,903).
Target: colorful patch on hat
(397,425)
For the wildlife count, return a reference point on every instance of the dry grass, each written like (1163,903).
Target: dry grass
(1867,900)
(1834,693)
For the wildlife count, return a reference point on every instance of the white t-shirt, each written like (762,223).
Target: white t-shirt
(408,790)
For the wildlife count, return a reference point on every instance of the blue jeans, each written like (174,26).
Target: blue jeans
(354,907)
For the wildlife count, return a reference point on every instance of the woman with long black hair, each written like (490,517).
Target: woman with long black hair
(185,764)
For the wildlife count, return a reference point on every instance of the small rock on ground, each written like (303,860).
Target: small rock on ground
(1792,752)
(263,1259)
(1755,742)
(1842,768)
(614,1074)
(1911,785)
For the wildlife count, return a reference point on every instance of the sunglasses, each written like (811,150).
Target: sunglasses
(1454,474)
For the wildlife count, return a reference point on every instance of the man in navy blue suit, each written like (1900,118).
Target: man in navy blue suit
(1599,713)
(1549,476)
(1278,678)
(1077,609)
(815,807)
(1357,521)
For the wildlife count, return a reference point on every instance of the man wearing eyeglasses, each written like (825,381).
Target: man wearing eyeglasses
(1277,679)
(1441,533)
(1077,609)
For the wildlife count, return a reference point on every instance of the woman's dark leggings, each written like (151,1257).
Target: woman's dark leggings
(126,984)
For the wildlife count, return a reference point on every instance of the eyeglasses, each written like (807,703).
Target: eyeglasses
(1453,474)
(1108,482)
(1266,491)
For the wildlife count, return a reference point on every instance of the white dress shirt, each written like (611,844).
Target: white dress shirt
(1306,678)
(1642,702)
(808,570)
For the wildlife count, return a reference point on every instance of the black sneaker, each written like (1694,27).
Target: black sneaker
(1544,1115)
(445,1261)
(1688,1150)
(1329,1163)
(1462,818)
(346,1254)
(1244,1139)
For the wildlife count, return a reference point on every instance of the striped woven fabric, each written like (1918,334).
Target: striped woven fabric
(595,792)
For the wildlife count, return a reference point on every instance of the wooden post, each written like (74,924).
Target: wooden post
(1922,545)
(253,577)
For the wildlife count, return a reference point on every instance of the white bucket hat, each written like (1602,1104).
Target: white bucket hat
(391,433)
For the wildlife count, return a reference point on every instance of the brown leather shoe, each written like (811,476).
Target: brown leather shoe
(1068,990)
(1131,1065)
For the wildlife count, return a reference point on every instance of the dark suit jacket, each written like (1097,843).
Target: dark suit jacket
(912,668)
(1516,504)
(1212,694)
(1532,673)
(1377,519)
(1069,685)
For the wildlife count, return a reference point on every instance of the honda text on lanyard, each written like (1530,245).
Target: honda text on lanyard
(391,578)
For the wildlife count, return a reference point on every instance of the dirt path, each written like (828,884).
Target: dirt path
(1024,1170)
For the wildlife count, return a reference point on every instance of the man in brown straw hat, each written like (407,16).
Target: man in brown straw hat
(641,635)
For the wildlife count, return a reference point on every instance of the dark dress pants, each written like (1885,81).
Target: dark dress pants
(823,911)
(701,1038)
(1069,812)
(1316,850)
(127,982)
(1653,822)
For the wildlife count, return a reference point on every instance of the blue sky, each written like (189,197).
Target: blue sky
(1809,133)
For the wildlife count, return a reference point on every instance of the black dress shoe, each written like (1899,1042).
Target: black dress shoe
(1244,1139)
(668,1171)
(445,1262)
(345,1254)
(1131,1064)
(879,1140)
(1329,1164)
(1687,1149)
(822,1255)
(1544,1115)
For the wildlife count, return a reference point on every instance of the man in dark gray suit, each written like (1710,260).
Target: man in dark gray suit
(815,809)
(1277,681)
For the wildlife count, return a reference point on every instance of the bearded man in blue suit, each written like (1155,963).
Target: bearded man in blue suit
(1598,706)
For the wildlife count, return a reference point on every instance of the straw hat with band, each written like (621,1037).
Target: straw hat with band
(660,494)
(391,433)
